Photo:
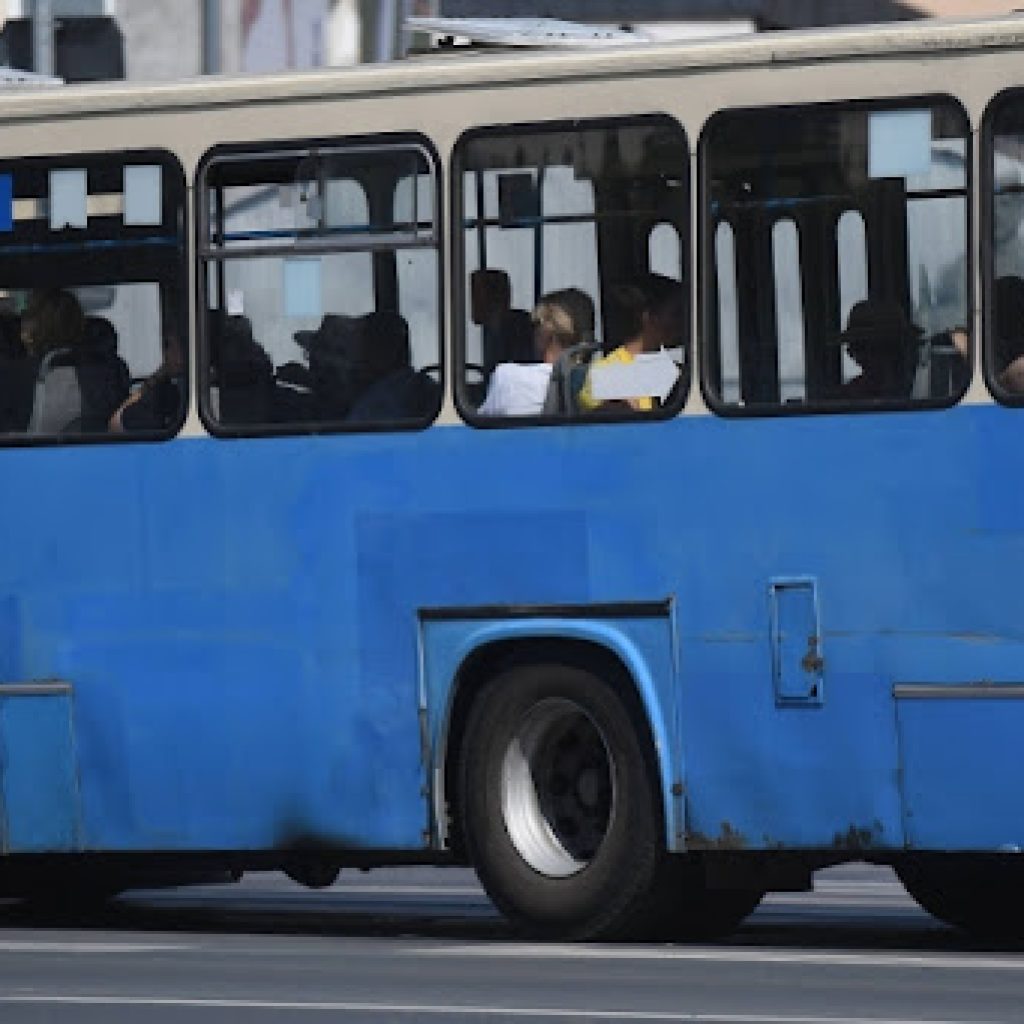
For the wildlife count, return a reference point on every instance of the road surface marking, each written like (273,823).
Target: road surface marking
(729,955)
(31,946)
(449,1011)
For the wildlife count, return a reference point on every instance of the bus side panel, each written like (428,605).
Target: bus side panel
(203,599)
(238,620)
(961,758)
(913,531)
(764,776)
(39,808)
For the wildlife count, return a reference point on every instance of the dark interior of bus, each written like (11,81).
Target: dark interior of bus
(114,268)
(824,227)
(321,288)
(1006,281)
(814,211)
(585,205)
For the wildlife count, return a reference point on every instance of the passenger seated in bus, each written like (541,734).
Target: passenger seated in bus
(884,344)
(292,397)
(53,319)
(103,375)
(507,333)
(647,315)
(388,387)
(79,378)
(99,337)
(332,351)
(242,372)
(156,404)
(1009,340)
(293,383)
(17,377)
(51,329)
(561,320)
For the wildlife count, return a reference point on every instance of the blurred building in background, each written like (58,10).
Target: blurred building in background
(677,16)
(169,39)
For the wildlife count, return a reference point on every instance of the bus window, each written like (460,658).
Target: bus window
(852,264)
(664,251)
(665,257)
(1004,350)
(321,288)
(92,290)
(848,226)
(417,272)
(570,311)
(789,310)
(728,327)
(569,255)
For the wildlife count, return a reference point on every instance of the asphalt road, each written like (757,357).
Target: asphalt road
(425,945)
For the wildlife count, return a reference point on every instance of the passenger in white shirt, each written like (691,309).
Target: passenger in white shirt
(517,389)
(560,320)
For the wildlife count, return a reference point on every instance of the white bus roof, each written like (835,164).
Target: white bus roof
(484,68)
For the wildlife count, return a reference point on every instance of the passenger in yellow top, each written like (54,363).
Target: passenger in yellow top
(648,314)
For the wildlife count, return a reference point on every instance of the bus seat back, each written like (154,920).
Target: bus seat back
(58,395)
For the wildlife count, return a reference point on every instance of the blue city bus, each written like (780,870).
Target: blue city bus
(733,593)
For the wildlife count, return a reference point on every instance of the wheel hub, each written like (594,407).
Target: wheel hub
(558,789)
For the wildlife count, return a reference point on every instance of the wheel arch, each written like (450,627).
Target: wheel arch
(601,649)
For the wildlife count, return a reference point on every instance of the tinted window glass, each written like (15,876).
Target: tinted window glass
(575,293)
(842,278)
(321,288)
(1005,315)
(92,293)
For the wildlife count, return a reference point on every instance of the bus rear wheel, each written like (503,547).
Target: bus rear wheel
(558,804)
(981,895)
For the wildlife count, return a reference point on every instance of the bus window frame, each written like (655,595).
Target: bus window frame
(175,200)
(206,256)
(459,282)
(987,228)
(706,265)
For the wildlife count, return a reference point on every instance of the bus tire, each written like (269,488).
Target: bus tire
(980,895)
(559,804)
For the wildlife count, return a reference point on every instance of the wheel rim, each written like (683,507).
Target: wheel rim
(557,788)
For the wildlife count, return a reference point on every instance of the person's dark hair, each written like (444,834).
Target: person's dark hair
(1009,320)
(239,357)
(52,319)
(100,336)
(385,345)
(236,331)
(334,350)
(490,292)
(629,302)
(883,341)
